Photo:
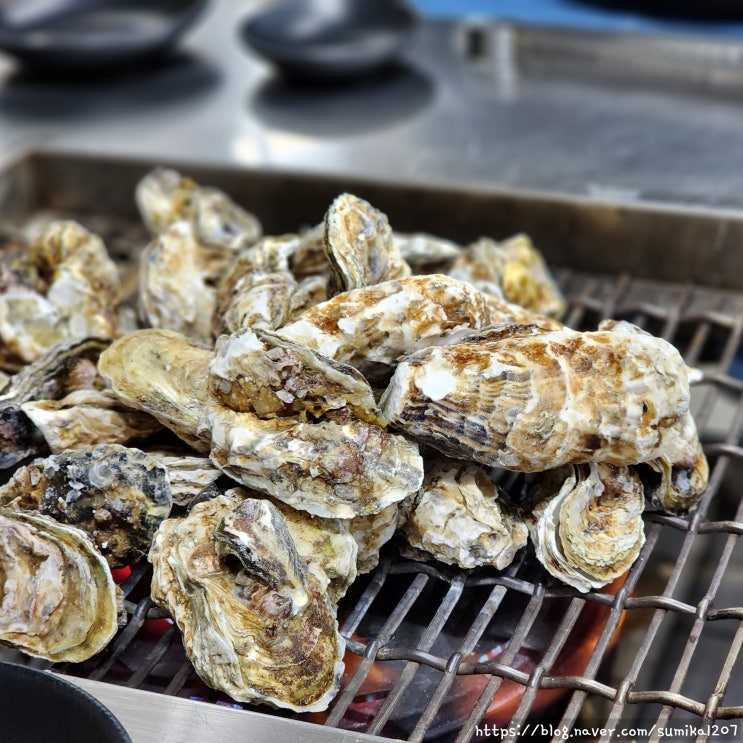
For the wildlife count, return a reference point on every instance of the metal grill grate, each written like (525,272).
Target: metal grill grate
(441,654)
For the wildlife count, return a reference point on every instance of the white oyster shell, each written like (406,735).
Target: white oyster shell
(528,399)
(587,523)
(255,621)
(461,518)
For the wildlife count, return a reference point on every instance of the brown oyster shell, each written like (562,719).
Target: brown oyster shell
(57,597)
(118,495)
(255,621)
(528,399)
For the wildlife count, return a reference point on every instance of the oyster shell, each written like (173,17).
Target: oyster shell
(675,481)
(528,399)
(310,256)
(64,368)
(371,533)
(460,517)
(74,293)
(88,417)
(359,244)
(587,523)
(513,270)
(422,251)
(189,475)
(262,373)
(165,374)
(119,496)
(371,327)
(173,293)
(255,622)
(332,469)
(57,597)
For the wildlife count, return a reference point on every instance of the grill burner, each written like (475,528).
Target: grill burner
(438,654)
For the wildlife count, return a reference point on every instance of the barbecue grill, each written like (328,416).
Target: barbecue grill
(440,654)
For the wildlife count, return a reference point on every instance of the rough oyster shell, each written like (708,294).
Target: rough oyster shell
(528,399)
(371,533)
(460,517)
(189,475)
(373,326)
(88,417)
(331,469)
(165,374)
(57,597)
(64,368)
(173,293)
(262,373)
(359,244)
(119,496)
(258,627)
(675,481)
(513,270)
(74,295)
(587,524)
(420,250)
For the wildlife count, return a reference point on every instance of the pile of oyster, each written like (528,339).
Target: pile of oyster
(279,407)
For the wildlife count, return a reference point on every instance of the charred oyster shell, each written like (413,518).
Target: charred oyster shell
(57,597)
(587,523)
(119,496)
(255,621)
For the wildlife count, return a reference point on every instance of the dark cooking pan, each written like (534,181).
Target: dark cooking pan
(40,707)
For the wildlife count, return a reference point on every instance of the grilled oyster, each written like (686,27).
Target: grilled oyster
(422,251)
(528,399)
(460,517)
(513,270)
(675,481)
(165,374)
(359,244)
(67,366)
(164,197)
(88,417)
(189,475)
(371,327)
(173,293)
(333,468)
(117,495)
(310,257)
(74,293)
(57,598)
(255,622)
(262,373)
(371,533)
(587,523)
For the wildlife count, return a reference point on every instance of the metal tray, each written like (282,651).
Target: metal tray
(448,655)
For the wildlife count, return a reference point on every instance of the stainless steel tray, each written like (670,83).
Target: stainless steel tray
(431,648)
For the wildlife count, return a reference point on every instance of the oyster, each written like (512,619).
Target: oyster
(255,621)
(163,373)
(88,417)
(422,251)
(359,244)
(586,523)
(310,256)
(73,295)
(371,533)
(334,468)
(173,293)
(528,399)
(262,373)
(675,481)
(371,327)
(57,597)
(460,517)
(513,270)
(189,475)
(119,496)
(164,196)
(64,368)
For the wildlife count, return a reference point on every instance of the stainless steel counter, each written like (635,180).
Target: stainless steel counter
(667,128)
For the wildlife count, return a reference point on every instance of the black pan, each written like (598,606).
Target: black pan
(318,39)
(93,35)
(39,707)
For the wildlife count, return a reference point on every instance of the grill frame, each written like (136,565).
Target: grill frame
(705,322)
